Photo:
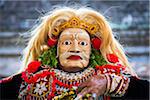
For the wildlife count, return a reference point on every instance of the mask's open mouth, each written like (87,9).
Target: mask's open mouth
(74,57)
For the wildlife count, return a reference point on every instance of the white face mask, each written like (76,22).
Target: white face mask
(74,49)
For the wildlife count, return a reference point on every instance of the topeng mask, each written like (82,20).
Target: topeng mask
(74,49)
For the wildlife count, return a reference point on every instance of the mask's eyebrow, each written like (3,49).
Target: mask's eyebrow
(81,36)
(66,36)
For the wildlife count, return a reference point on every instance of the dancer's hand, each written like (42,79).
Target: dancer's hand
(95,86)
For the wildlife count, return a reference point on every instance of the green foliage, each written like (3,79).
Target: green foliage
(96,58)
(49,57)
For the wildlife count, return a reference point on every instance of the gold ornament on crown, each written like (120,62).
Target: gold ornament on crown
(75,23)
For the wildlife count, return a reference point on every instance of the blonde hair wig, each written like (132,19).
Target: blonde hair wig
(43,31)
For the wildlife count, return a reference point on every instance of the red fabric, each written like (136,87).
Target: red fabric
(116,68)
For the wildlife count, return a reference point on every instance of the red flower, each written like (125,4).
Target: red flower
(51,42)
(96,42)
(112,58)
(33,66)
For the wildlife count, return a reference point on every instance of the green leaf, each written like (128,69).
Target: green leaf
(49,57)
(96,58)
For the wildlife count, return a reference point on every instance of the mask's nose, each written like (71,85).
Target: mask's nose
(75,47)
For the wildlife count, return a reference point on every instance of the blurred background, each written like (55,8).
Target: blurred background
(128,19)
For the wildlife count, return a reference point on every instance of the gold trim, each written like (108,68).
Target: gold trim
(75,22)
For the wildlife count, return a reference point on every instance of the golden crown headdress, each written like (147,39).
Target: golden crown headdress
(75,23)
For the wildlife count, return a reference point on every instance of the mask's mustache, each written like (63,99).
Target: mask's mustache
(68,54)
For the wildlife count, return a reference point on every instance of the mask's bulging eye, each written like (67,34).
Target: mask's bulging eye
(83,43)
(67,42)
